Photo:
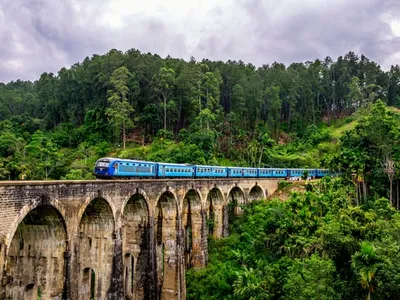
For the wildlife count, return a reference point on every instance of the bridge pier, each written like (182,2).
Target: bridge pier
(112,239)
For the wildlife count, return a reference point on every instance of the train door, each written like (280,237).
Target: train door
(116,168)
(163,171)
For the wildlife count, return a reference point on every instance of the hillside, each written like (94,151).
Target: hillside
(314,245)
(139,105)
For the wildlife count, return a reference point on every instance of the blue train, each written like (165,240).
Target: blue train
(109,168)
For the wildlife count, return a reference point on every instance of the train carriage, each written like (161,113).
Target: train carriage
(210,171)
(124,168)
(279,173)
(300,172)
(265,172)
(175,170)
(322,173)
(242,172)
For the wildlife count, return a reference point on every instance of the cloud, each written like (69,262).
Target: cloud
(39,36)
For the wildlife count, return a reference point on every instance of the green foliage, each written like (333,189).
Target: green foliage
(120,110)
(312,278)
(316,245)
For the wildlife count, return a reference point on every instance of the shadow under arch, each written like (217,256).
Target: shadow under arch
(96,246)
(136,247)
(89,202)
(235,199)
(193,225)
(39,243)
(26,209)
(256,193)
(166,232)
(214,211)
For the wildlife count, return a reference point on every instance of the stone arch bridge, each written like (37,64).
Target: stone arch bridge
(113,239)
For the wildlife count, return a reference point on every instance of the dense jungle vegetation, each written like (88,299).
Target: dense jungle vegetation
(142,106)
(338,240)
(316,245)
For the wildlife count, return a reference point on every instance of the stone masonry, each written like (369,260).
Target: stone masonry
(113,239)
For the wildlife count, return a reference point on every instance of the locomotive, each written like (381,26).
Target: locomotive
(117,168)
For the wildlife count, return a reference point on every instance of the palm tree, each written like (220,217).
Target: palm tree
(251,284)
(366,264)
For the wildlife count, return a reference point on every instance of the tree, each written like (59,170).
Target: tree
(389,168)
(163,86)
(274,104)
(366,264)
(355,96)
(251,284)
(43,154)
(119,112)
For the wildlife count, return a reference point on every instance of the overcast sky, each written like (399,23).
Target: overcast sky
(39,36)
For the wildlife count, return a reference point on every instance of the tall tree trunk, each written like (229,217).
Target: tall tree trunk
(365,190)
(328,109)
(391,193)
(165,112)
(123,135)
(397,185)
(259,160)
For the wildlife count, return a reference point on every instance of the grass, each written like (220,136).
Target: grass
(338,132)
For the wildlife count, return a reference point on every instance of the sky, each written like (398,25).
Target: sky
(39,36)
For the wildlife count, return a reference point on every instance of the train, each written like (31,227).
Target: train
(118,168)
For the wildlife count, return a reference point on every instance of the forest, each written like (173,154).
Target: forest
(316,245)
(337,239)
(142,106)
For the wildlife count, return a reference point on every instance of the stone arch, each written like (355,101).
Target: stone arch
(256,193)
(214,211)
(26,209)
(35,264)
(88,289)
(135,246)
(171,195)
(95,247)
(139,193)
(192,225)
(236,195)
(89,201)
(166,230)
(232,208)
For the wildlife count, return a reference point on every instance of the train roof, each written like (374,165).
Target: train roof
(205,166)
(126,159)
(242,168)
(173,164)
(272,168)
